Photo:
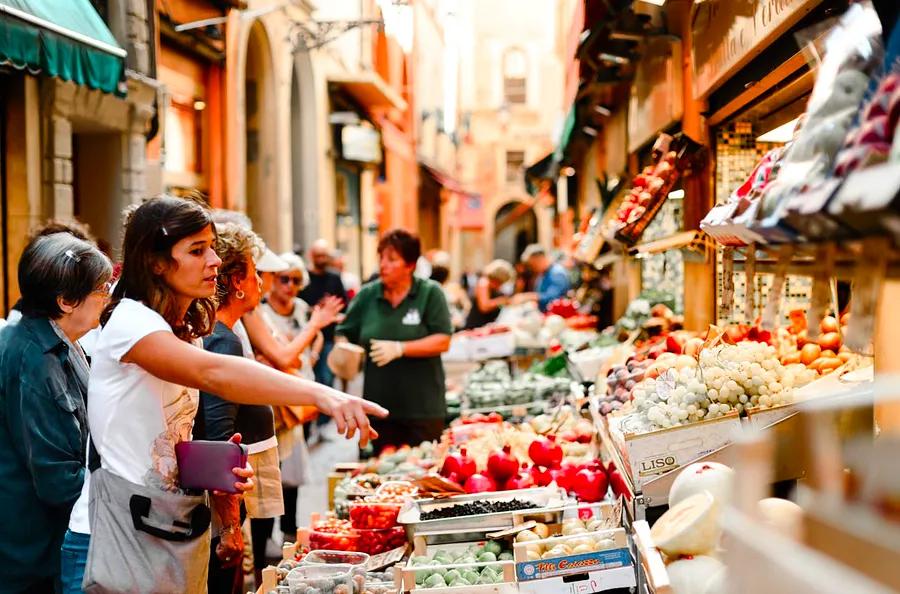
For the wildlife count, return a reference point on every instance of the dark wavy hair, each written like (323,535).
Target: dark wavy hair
(151,229)
(404,243)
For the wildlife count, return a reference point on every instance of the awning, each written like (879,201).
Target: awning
(568,127)
(545,169)
(370,90)
(442,179)
(66,40)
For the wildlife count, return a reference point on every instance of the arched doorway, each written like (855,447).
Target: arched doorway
(259,110)
(514,230)
(304,153)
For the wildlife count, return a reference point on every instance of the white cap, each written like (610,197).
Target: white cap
(270,262)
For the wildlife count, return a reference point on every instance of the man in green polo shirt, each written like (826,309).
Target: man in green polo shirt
(404,324)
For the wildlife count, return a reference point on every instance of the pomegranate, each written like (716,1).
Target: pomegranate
(618,484)
(522,480)
(541,475)
(459,463)
(479,483)
(590,485)
(502,465)
(544,451)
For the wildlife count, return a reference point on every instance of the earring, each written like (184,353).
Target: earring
(239,294)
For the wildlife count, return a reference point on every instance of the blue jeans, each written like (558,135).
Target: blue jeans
(324,375)
(74,559)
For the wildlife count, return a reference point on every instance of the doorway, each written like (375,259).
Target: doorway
(98,200)
(349,215)
(513,232)
(259,106)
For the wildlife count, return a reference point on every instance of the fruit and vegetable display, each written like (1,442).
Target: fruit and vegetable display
(324,579)
(725,379)
(492,385)
(402,462)
(474,565)
(689,533)
(649,189)
(574,537)
(334,534)
(476,508)
(650,309)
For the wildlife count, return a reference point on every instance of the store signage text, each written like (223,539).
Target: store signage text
(657,465)
(727,34)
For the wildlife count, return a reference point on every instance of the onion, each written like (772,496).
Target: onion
(479,483)
(830,341)
(544,451)
(829,324)
(502,465)
(809,353)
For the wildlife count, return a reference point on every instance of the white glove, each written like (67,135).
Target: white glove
(385,351)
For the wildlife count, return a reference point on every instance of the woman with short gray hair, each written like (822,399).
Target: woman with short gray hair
(64,283)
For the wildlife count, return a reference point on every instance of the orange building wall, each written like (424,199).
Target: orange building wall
(397,194)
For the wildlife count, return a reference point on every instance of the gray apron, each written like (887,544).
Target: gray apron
(145,540)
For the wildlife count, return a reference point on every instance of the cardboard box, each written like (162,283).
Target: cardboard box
(421,548)
(647,455)
(492,346)
(583,583)
(572,564)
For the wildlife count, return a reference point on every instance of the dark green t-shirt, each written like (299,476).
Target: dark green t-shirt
(410,388)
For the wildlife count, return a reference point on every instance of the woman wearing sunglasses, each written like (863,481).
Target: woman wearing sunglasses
(292,321)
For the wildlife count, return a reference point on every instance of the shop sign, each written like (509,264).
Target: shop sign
(470,211)
(360,143)
(656,93)
(727,34)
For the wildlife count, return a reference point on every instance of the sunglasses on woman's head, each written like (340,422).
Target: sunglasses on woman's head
(105,288)
(285,279)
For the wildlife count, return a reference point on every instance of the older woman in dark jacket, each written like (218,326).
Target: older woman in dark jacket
(43,382)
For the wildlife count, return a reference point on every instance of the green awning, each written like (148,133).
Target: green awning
(566,136)
(64,39)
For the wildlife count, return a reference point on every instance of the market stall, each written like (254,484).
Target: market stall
(660,454)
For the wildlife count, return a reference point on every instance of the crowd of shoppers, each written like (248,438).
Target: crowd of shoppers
(89,446)
(201,332)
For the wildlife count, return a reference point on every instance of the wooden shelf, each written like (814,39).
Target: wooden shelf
(762,560)
(696,241)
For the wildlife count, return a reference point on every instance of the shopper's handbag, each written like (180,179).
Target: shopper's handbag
(145,540)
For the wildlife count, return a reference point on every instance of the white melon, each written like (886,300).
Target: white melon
(554,325)
(689,528)
(782,516)
(703,476)
(697,575)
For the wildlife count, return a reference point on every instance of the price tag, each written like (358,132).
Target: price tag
(377,562)
(666,384)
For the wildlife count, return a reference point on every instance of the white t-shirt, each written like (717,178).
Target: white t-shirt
(286,328)
(135,418)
